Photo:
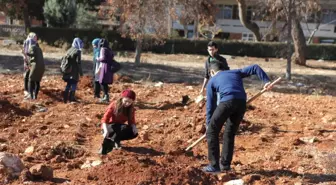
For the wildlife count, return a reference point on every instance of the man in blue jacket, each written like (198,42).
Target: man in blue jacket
(231,109)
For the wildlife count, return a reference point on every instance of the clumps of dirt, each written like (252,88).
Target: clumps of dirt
(68,151)
(86,82)
(150,170)
(11,111)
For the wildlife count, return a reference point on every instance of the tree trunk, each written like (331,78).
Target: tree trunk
(196,34)
(185,28)
(138,50)
(289,40)
(26,18)
(253,27)
(170,22)
(299,56)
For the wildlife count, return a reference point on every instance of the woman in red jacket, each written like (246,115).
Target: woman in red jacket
(113,122)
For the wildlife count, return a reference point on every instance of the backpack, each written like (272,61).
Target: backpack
(115,66)
(66,66)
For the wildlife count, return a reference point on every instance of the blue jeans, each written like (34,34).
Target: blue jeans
(71,85)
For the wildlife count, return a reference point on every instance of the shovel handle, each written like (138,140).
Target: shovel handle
(248,101)
(262,91)
(195,143)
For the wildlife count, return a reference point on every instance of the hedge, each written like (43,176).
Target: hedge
(185,46)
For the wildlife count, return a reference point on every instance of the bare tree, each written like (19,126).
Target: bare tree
(209,30)
(298,10)
(141,19)
(252,26)
(194,11)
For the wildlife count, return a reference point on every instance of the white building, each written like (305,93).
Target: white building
(227,19)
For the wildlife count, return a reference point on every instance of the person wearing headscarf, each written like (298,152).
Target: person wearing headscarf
(105,73)
(96,64)
(74,55)
(113,122)
(36,66)
(26,70)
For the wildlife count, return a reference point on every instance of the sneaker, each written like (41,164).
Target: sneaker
(105,99)
(107,147)
(211,169)
(117,145)
(25,93)
(224,168)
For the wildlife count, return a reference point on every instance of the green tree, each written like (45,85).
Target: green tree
(85,18)
(60,13)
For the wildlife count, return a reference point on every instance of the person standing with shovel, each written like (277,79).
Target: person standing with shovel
(228,84)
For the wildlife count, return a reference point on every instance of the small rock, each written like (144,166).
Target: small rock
(96,163)
(29,150)
(11,163)
(22,130)
(235,182)
(159,84)
(87,164)
(3,147)
(223,177)
(248,179)
(308,139)
(66,126)
(41,171)
(200,129)
(145,127)
(190,87)
(275,158)
(3,140)
(57,159)
(144,136)
(298,183)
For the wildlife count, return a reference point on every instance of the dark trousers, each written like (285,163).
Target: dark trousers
(121,132)
(97,89)
(232,112)
(71,85)
(105,88)
(34,88)
(26,80)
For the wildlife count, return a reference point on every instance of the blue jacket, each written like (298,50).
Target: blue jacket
(229,85)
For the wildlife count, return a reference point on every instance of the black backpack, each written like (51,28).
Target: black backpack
(66,66)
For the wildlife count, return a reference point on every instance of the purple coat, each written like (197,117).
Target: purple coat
(106,75)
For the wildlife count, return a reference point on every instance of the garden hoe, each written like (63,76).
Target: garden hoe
(248,101)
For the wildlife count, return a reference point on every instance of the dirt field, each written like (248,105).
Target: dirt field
(288,136)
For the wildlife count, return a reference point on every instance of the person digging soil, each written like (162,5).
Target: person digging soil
(113,122)
(231,109)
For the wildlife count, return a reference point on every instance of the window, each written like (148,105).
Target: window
(228,12)
(328,16)
(247,37)
(224,12)
(249,13)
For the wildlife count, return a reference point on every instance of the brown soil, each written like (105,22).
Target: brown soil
(268,149)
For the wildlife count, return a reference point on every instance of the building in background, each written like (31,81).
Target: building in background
(228,20)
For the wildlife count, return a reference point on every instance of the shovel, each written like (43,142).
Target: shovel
(248,101)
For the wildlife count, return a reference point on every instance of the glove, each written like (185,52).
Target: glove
(134,129)
(106,132)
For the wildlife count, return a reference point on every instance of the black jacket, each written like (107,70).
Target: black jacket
(219,58)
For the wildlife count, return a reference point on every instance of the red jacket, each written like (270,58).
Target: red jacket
(109,116)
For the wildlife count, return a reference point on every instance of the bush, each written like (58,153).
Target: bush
(185,46)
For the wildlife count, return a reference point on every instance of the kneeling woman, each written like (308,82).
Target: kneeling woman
(113,122)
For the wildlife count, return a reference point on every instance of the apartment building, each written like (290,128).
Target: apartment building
(228,21)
